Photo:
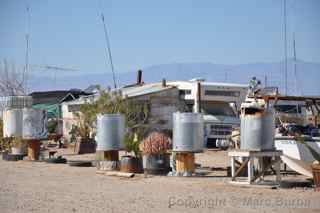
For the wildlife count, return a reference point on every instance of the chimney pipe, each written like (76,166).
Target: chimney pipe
(164,83)
(197,100)
(139,77)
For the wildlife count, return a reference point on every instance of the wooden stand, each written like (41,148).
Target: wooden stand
(107,160)
(33,149)
(185,162)
(249,157)
(112,155)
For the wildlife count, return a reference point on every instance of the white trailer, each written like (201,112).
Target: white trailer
(220,103)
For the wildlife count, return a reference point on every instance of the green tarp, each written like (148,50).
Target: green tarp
(54,110)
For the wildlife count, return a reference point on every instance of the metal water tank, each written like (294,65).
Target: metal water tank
(35,124)
(268,132)
(12,123)
(17,102)
(257,131)
(188,132)
(110,132)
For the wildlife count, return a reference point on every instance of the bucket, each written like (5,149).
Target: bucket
(316,176)
(130,164)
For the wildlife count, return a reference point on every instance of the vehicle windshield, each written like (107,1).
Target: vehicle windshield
(220,109)
(288,108)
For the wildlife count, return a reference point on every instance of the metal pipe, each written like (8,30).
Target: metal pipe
(139,77)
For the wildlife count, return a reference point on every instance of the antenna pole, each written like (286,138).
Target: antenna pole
(109,50)
(295,62)
(265,81)
(285,47)
(26,69)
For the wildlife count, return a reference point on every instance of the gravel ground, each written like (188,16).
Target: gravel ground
(40,187)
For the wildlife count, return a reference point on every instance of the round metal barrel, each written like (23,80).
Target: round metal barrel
(257,131)
(156,164)
(188,132)
(130,164)
(35,124)
(17,102)
(110,132)
(12,123)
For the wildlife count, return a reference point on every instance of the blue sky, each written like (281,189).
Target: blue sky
(143,32)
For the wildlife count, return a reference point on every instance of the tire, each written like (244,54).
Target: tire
(80,163)
(56,160)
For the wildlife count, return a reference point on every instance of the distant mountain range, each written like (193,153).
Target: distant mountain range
(306,82)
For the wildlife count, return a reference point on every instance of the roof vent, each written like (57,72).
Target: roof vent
(198,79)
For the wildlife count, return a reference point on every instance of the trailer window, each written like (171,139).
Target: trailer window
(220,109)
(184,92)
(222,93)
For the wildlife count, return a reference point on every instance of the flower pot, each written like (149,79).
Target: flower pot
(316,176)
(130,164)
(156,163)
(85,145)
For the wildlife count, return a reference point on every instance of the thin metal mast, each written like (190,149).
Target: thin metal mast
(295,56)
(295,63)
(285,47)
(109,50)
(26,69)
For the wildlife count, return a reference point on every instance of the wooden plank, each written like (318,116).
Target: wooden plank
(246,153)
(114,173)
(239,170)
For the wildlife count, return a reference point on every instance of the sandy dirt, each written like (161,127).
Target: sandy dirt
(41,187)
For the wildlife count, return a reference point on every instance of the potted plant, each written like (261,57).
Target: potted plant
(154,149)
(84,140)
(4,142)
(131,162)
(316,164)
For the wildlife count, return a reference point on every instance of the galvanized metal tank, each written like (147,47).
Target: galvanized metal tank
(257,131)
(12,123)
(110,132)
(188,132)
(17,102)
(35,124)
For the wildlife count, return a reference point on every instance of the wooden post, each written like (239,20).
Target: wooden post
(185,162)
(250,169)
(112,155)
(33,149)
(233,168)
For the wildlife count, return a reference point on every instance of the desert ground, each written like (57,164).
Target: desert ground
(41,187)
